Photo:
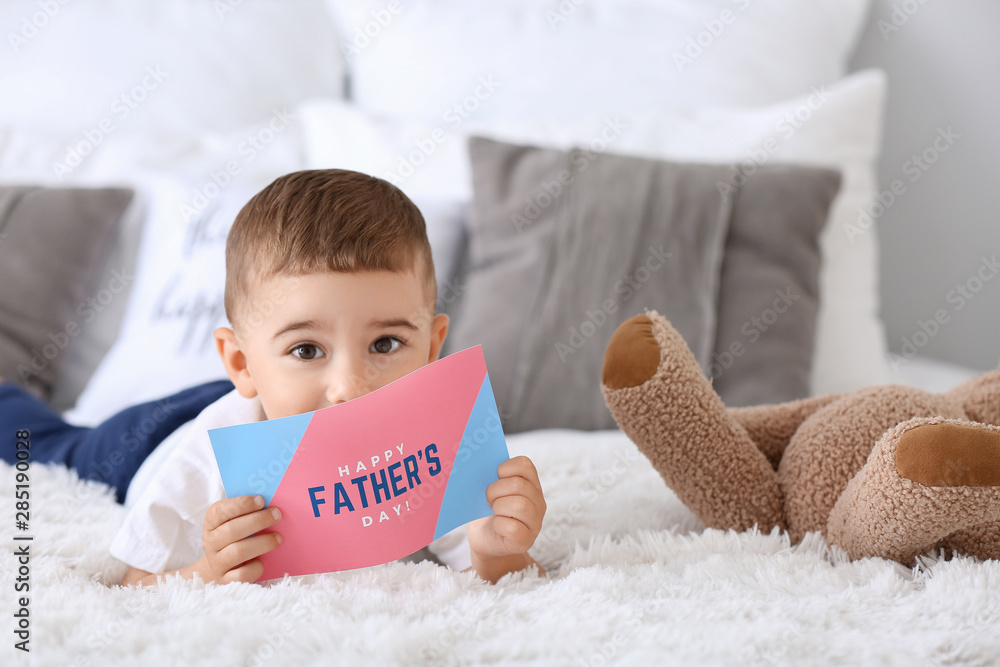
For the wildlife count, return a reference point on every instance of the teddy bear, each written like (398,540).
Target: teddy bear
(889,471)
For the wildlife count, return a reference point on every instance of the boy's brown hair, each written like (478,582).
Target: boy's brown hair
(323,220)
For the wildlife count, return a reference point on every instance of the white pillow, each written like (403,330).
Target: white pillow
(165,343)
(837,126)
(446,61)
(94,71)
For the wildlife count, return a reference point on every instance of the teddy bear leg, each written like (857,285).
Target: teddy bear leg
(771,427)
(982,541)
(928,482)
(834,444)
(663,402)
(980,397)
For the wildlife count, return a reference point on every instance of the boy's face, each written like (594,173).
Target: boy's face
(321,339)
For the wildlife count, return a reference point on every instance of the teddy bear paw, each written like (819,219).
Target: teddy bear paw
(950,453)
(633,354)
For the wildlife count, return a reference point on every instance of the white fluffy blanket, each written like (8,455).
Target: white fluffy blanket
(633,579)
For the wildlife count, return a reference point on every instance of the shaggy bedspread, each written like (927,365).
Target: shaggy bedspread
(634,578)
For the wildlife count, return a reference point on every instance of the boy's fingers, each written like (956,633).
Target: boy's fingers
(519,466)
(248,572)
(242,527)
(519,509)
(235,555)
(229,508)
(513,533)
(514,486)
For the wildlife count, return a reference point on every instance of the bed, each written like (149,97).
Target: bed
(113,226)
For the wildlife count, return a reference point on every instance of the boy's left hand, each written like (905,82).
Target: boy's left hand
(518,508)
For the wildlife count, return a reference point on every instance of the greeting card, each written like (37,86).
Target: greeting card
(374,479)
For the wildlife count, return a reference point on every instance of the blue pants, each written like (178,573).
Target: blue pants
(110,452)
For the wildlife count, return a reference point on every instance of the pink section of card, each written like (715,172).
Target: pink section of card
(366,483)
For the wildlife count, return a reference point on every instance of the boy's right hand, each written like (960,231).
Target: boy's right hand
(232,540)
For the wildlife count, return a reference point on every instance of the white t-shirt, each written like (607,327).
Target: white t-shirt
(173,489)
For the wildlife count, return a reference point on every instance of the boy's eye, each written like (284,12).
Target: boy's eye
(307,351)
(385,345)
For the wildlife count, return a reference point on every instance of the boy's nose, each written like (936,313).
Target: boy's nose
(348,382)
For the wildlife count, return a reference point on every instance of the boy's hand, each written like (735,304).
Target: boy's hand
(231,545)
(500,543)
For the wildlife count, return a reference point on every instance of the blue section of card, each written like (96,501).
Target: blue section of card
(248,469)
(482,449)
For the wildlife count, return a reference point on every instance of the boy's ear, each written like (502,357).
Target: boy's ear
(235,361)
(439,331)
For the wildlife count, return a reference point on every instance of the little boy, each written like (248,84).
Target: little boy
(330,291)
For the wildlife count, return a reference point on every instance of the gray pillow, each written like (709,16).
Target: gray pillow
(563,247)
(556,237)
(53,243)
(769,292)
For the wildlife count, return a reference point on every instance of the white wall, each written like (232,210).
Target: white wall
(943,64)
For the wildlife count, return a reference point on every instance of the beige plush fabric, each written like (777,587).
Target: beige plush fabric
(682,426)
(980,397)
(883,514)
(833,444)
(827,464)
(771,427)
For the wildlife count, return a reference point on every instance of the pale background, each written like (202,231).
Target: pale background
(943,68)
